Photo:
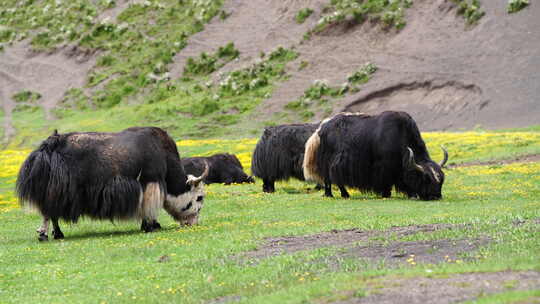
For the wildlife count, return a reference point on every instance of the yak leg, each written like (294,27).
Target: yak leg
(328,188)
(344,193)
(152,202)
(387,191)
(57,233)
(268,186)
(43,230)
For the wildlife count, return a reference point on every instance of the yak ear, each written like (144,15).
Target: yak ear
(55,133)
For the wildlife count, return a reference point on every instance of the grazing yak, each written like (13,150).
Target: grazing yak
(224,168)
(129,174)
(280,152)
(373,154)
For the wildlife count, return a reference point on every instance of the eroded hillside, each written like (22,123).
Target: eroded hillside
(260,63)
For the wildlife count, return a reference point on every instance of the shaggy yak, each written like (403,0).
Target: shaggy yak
(373,154)
(280,152)
(224,168)
(129,174)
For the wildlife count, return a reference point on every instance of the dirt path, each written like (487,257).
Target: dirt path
(362,244)
(451,289)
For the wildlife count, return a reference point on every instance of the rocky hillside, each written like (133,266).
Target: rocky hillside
(207,68)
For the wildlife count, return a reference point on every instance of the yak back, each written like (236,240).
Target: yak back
(280,151)
(100,175)
(223,168)
(365,151)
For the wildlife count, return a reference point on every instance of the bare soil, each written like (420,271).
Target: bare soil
(451,289)
(356,243)
(50,74)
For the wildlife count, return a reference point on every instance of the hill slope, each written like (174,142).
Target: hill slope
(447,73)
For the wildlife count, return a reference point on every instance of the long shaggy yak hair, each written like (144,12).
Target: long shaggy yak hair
(280,152)
(99,175)
(373,153)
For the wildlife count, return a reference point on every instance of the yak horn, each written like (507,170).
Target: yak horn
(412,164)
(445,159)
(197,180)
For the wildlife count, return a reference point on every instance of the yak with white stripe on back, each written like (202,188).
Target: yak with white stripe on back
(373,153)
(130,174)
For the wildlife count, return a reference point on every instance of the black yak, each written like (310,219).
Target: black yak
(280,152)
(373,154)
(129,174)
(224,168)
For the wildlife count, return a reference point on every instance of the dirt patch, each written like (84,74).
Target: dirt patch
(50,74)
(531,158)
(341,238)
(111,13)
(412,252)
(452,289)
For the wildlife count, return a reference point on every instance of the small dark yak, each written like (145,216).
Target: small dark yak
(130,174)
(280,152)
(373,154)
(224,168)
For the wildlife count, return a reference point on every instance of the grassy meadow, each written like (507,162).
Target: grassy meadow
(104,262)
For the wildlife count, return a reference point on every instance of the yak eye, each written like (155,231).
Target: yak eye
(199,198)
(187,207)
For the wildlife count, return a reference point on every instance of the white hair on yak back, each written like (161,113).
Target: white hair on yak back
(311,172)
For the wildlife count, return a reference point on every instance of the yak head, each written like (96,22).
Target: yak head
(424,179)
(185,208)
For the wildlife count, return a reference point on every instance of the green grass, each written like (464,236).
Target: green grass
(105,262)
(187,107)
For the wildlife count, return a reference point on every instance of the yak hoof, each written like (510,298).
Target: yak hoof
(149,227)
(58,235)
(43,237)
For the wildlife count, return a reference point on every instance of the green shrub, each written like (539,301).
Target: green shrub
(204,107)
(363,75)
(470,11)
(516,5)
(105,61)
(7,35)
(302,15)
(26,101)
(390,13)
(207,64)
(26,96)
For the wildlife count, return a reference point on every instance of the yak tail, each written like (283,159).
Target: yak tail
(43,175)
(310,158)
